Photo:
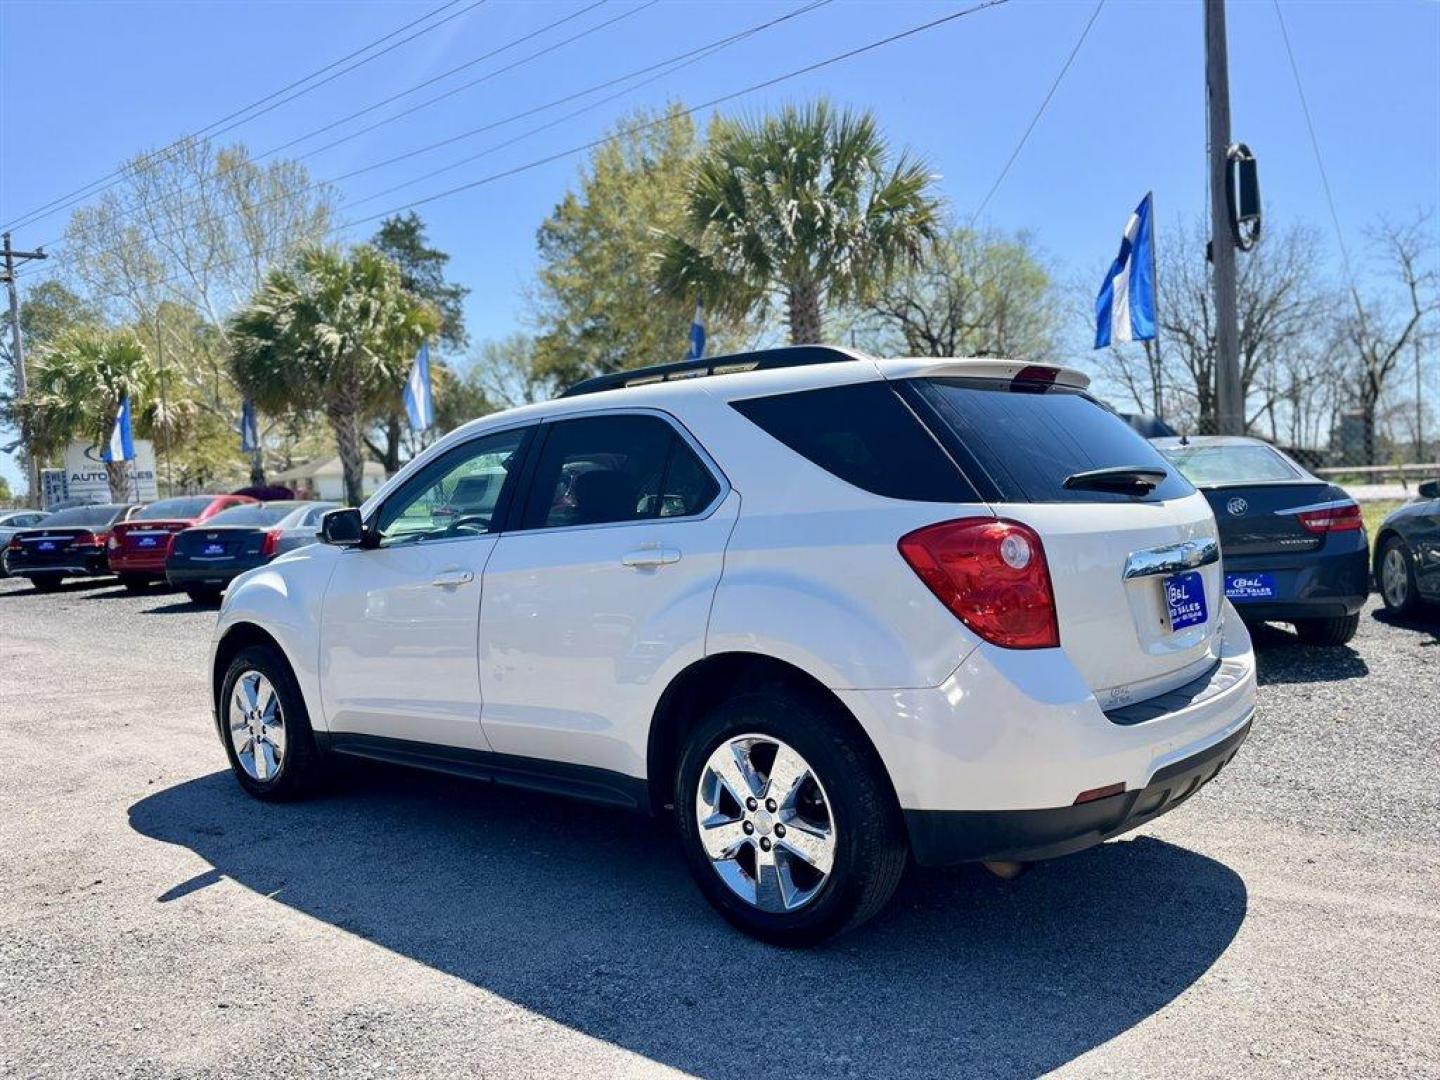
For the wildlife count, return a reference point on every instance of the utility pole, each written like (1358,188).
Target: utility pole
(18,354)
(1230,404)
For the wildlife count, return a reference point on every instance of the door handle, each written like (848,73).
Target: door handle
(452,579)
(648,558)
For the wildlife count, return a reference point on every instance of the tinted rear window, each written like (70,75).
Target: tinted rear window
(1238,464)
(174,508)
(83,515)
(865,435)
(252,515)
(1019,445)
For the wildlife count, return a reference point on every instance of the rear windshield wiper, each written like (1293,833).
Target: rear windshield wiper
(1128,479)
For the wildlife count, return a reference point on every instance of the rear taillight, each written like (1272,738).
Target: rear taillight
(992,575)
(1344,517)
(91,540)
(14,544)
(271,544)
(113,543)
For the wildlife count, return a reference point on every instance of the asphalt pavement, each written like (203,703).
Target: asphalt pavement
(155,922)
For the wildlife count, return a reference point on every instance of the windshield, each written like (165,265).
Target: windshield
(253,515)
(84,515)
(190,507)
(1236,464)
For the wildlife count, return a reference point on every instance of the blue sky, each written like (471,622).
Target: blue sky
(85,84)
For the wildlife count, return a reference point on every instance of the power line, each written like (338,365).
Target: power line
(139,204)
(1055,85)
(230,121)
(631,130)
(670,65)
(1319,163)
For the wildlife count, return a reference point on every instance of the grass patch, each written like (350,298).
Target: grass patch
(1374,513)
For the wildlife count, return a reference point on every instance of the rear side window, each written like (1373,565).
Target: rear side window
(596,470)
(865,435)
(1019,444)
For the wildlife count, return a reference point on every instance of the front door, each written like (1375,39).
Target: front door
(401,618)
(602,592)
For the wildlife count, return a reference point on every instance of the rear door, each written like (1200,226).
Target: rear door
(603,592)
(1136,577)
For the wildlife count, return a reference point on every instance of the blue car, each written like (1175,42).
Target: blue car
(1293,545)
(1407,553)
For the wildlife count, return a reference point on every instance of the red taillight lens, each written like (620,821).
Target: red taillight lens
(992,575)
(1343,518)
(271,544)
(14,544)
(91,540)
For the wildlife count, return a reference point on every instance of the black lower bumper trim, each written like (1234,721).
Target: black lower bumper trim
(945,837)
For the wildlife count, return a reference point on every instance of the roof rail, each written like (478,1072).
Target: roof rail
(762,360)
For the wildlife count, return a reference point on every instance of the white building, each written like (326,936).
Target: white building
(325,478)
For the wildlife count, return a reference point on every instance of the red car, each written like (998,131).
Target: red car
(138,547)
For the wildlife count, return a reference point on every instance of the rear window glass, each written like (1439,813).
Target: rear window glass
(84,515)
(1019,445)
(1230,464)
(252,515)
(174,508)
(865,435)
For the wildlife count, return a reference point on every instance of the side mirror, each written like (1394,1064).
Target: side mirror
(1430,489)
(342,527)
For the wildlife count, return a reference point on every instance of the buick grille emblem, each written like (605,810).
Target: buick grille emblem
(1237,506)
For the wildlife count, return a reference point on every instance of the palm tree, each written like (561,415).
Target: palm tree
(332,332)
(802,205)
(78,381)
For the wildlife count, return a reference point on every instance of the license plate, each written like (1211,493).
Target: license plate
(147,541)
(1250,586)
(46,545)
(1185,599)
(213,549)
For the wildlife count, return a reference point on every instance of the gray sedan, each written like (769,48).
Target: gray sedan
(11,522)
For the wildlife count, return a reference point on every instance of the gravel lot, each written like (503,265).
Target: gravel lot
(156,922)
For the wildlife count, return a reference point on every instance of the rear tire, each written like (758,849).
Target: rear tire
(46,582)
(286,764)
(203,594)
(134,582)
(1327,632)
(1395,574)
(842,800)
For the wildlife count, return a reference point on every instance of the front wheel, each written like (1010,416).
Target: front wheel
(1336,631)
(265,727)
(789,825)
(1397,578)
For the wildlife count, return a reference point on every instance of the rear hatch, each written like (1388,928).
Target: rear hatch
(1265,519)
(1134,568)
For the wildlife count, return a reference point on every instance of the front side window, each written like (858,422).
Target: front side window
(456,495)
(596,470)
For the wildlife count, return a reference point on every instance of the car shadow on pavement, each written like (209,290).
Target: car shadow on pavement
(1281,657)
(1426,621)
(587,916)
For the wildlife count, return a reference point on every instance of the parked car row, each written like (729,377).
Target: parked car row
(195,542)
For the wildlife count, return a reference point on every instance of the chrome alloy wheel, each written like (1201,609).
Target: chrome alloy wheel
(1394,579)
(257,726)
(764,820)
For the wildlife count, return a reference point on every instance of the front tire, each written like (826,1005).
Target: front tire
(265,727)
(1327,632)
(788,823)
(1396,578)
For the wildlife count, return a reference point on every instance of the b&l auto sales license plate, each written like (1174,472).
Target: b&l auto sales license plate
(147,541)
(1249,586)
(1185,599)
(213,549)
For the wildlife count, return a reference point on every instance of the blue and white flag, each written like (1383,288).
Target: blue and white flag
(697,334)
(249,428)
(419,403)
(1125,308)
(121,446)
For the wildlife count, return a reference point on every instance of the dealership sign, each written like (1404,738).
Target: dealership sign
(86,478)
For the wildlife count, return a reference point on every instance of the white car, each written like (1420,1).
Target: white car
(835,611)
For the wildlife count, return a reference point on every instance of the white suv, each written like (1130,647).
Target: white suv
(834,611)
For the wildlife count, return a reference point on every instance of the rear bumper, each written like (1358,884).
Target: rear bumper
(1006,744)
(138,563)
(72,566)
(945,837)
(200,574)
(1318,586)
